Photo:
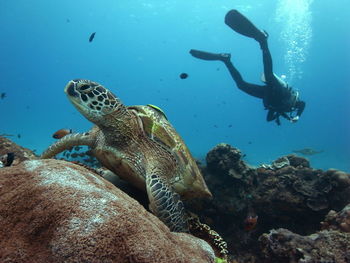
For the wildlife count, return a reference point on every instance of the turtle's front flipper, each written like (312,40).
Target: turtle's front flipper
(68,142)
(166,204)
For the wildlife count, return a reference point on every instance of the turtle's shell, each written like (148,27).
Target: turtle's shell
(188,180)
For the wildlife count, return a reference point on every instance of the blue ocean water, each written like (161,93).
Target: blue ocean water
(141,47)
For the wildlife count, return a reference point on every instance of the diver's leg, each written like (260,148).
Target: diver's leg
(267,60)
(249,88)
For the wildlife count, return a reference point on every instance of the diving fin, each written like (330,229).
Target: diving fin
(210,56)
(244,26)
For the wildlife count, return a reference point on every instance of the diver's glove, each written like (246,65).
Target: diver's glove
(294,119)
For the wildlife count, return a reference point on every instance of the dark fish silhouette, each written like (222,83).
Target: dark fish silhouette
(92,36)
(183,76)
(307,151)
(74,155)
(7,159)
(3,95)
(77,148)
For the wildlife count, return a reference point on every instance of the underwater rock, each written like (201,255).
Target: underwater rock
(290,160)
(338,221)
(226,160)
(277,164)
(56,211)
(297,161)
(292,196)
(282,245)
(20,153)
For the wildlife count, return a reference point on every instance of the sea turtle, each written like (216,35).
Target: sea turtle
(139,145)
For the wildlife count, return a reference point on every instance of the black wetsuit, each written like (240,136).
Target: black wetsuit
(278,99)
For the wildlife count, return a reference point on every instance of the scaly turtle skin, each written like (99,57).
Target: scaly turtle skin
(139,145)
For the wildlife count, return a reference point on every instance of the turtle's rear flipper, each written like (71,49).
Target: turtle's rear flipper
(166,204)
(244,26)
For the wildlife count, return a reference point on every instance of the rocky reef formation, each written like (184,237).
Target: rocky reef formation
(55,211)
(303,214)
(338,221)
(282,245)
(20,153)
(285,194)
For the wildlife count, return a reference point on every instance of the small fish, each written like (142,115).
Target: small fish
(92,36)
(230,125)
(250,222)
(68,20)
(74,155)
(183,76)
(19,136)
(61,133)
(77,148)
(2,95)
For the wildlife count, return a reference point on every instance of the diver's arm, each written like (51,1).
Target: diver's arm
(271,115)
(300,105)
(284,115)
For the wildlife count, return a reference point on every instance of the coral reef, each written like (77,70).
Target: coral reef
(338,221)
(21,154)
(56,211)
(303,214)
(282,245)
(285,194)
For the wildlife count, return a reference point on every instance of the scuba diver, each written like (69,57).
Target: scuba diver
(278,98)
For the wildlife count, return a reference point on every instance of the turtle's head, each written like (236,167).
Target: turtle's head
(92,99)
